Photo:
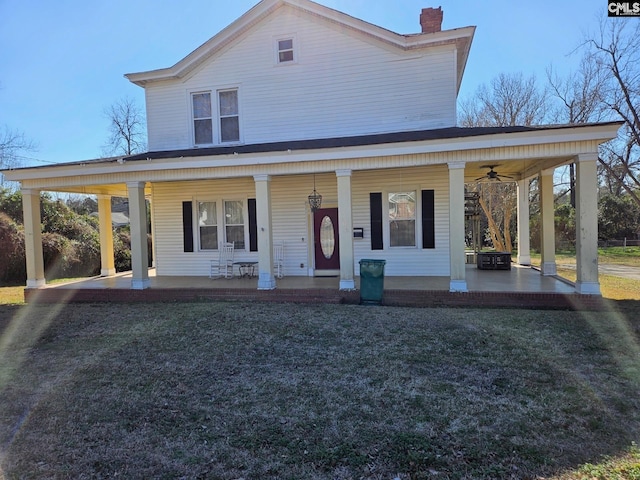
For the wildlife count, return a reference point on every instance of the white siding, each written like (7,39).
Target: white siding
(291,220)
(404,261)
(342,85)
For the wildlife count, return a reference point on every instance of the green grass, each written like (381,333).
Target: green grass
(261,391)
(613,255)
(11,295)
(620,255)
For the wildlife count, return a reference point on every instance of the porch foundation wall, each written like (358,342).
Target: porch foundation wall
(391,298)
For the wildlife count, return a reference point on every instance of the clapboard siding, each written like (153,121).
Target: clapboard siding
(343,84)
(291,219)
(403,261)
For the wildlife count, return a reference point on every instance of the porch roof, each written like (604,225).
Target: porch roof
(353,141)
(520,152)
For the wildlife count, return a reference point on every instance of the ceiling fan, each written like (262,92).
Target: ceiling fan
(492,174)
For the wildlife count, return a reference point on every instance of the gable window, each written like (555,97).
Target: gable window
(402,219)
(229,116)
(202,119)
(234,222)
(208,225)
(285,50)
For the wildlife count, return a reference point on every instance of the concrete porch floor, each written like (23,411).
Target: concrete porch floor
(519,287)
(518,279)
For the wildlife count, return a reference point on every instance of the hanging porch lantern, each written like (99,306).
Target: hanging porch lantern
(315,199)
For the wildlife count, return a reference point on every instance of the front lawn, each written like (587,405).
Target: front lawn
(261,391)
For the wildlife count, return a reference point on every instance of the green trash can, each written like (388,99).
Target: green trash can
(371,281)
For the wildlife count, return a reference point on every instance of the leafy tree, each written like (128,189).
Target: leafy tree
(618,217)
(12,265)
(565,226)
(70,241)
(82,204)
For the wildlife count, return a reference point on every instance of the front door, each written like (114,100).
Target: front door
(326,241)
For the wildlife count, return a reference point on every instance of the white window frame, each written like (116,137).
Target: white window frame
(220,116)
(387,220)
(193,116)
(245,224)
(294,49)
(197,221)
(221,222)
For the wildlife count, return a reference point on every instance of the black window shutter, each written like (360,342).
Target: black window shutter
(187,226)
(375,204)
(428,219)
(253,225)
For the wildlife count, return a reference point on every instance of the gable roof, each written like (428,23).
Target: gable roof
(461,37)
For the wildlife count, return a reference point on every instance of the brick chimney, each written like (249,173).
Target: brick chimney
(431,20)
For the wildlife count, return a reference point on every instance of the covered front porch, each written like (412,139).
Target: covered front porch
(430,167)
(521,287)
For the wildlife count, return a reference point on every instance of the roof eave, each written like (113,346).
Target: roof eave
(600,132)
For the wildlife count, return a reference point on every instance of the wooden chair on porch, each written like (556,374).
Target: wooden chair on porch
(278,259)
(223,266)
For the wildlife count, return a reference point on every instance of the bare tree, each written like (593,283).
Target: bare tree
(580,98)
(127,128)
(614,50)
(12,145)
(510,100)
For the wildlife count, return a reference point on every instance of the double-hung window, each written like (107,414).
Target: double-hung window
(402,219)
(232,227)
(208,225)
(202,118)
(285,50)
(229,116)
(234,222)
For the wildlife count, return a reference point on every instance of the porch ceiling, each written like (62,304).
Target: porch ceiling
(516,169)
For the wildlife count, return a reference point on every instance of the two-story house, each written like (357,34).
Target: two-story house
(294,99)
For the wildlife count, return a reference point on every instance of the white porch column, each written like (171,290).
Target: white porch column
(154,256)
(547,225)
(107,261)
(266,279)
(33,238)
(458,280)
(345,230)
(138,224)
(524,246)
(587,224)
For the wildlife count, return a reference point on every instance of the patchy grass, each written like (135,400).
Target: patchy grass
(11,295)
(620,255)
(622,467)
(261,391)
(614,255)
(612,287)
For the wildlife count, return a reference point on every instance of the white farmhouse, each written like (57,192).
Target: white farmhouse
(295,98)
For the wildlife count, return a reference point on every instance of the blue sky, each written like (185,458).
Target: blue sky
(62,63)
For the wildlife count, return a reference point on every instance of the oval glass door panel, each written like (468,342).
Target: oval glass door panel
(327,237)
